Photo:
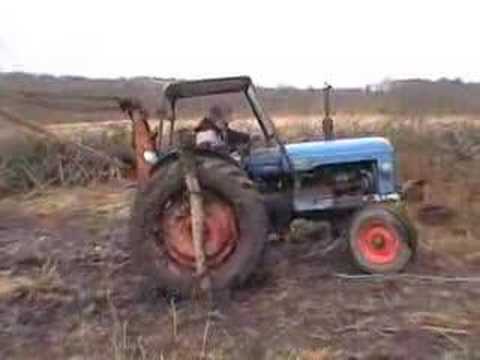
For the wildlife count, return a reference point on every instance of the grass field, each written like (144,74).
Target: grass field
(68,291)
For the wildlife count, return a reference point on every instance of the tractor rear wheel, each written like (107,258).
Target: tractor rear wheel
(380,240)
(235,227)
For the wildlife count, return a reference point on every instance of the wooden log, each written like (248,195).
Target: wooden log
(187,161)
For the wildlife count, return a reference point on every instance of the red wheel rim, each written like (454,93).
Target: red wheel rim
(378,243)
(220,231)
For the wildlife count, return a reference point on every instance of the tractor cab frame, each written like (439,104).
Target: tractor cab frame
(241,84)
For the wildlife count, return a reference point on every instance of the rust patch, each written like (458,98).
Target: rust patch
(143,138)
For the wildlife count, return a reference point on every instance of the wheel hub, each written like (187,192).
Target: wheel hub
(379,244)
(220,231)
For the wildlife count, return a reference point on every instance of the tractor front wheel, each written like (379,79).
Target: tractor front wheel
(380,240)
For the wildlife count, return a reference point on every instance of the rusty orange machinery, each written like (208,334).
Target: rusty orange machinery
(145,141)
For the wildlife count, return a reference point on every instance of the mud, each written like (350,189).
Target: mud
(68,291)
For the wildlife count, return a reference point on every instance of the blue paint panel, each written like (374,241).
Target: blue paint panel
(308,155)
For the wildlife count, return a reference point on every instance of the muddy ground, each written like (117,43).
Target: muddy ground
(68,291)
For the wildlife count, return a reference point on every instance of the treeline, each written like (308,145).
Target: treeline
(47,98)
(414,96)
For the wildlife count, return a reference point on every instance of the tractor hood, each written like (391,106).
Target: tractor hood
(308,155)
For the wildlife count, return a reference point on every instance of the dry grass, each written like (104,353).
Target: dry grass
(317,354)
(45,281)
(29,162)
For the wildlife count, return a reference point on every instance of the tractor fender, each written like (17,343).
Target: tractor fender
(173,155)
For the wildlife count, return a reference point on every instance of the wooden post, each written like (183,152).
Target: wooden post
(187,161)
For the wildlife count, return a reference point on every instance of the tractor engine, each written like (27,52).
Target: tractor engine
(339,186)
(340,180)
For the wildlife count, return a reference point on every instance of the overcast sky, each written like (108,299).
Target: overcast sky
(300,43)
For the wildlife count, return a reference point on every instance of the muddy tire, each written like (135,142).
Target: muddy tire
(380,240)
(236,227)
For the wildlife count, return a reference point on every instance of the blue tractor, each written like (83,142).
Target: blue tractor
(251,192)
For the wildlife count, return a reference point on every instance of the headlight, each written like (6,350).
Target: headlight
(150,157)
(386,167)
